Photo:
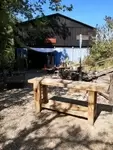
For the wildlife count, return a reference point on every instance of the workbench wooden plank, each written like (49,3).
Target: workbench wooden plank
(88,86)
(67,105)
(79,85)
(35,79)
(52,82)
(66,108)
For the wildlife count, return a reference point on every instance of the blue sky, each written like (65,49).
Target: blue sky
(91,12)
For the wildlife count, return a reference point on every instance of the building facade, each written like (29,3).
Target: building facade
(55,35)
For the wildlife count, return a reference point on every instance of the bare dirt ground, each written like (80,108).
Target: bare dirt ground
(22,129)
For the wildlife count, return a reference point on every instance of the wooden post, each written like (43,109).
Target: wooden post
(92,98)
(37,96)
(35,92)
(45,94)
(111,91)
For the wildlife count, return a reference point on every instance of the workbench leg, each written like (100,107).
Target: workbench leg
(45,94)
(92,106)
(37,98)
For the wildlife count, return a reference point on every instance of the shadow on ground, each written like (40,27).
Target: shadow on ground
(13,97)
(31,139)
(46,133)
(100,107)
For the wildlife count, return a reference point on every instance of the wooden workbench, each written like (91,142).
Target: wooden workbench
(41,96)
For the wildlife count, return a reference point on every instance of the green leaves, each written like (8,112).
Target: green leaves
(56,5)
(12,11)
(102,46)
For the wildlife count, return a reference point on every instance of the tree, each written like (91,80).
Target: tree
(11,11)
(102,46)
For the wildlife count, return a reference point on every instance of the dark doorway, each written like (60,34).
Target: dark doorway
(36,60)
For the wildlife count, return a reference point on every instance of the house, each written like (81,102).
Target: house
(51,38)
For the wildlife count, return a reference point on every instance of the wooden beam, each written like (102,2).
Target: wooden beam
(92,98)
(38,98)
(105,95)
(111,90)
(68,108)
(78,85)
(33,80)
(101,73)
(70,112)
(87,86)
(52,82)
(37,94)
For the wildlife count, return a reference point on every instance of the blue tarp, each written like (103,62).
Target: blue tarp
(60,56)
(43,50)
(60,53)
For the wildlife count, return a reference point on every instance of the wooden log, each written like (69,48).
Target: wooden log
(92,98)
(101,73)
(111,90)
(105,95)
(104,72)
(45,94)
(66,108)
